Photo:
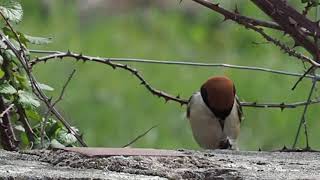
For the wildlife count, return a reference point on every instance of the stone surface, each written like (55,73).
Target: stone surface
(218,164)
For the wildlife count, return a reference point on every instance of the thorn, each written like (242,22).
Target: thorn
(259,149)
(112,65)
(296,44)
(236,10)
(68,52)
(317,23)
(143,83)
(284,148)
(282,106)
(45,61)
(225,19)
(285,33)
(166,99)
(80,55)
(178,97)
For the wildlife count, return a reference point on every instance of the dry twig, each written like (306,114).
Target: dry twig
(6,110)
(140,136)
(53,105)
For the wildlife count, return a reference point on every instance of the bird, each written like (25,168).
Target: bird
(215,114)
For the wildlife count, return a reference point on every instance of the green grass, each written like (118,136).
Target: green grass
(111,108)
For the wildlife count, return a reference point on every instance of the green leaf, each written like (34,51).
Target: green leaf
(45,87)
(7,31)
(12,10)
(37,144)
(22,37)
(27,99)
(22,79)
(33,114)
(6,88)
(19,128)
(53,128)
(37,40)
(1,72)
(56,144)
(66,138)
(24,139)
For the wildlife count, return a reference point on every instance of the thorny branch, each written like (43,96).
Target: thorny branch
(167,97)
(182,63)
(107,61)
(20,54)
(246,23)
(291,21)
(235,16)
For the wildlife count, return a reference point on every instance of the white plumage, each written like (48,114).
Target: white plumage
(207,130)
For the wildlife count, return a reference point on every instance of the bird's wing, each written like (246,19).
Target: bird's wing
(189,104)
(239,108)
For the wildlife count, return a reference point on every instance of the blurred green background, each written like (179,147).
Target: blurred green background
(111,108)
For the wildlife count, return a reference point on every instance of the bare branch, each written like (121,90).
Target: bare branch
(8,138)
(303,118)
(140,136)
(238,17)
(291,21)
(52,106)
(279,105)
(301,77)
(229,15)
(25,122)
(6,110)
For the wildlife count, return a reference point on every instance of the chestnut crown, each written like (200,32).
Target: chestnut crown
(218,93)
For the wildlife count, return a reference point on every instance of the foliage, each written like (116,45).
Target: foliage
(16,89)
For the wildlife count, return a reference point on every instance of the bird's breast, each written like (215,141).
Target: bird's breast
(205,126)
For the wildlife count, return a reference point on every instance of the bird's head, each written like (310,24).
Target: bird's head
(218,93)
